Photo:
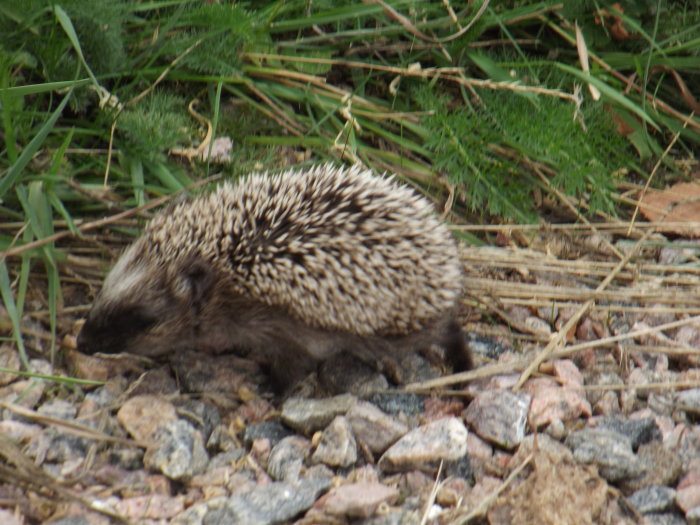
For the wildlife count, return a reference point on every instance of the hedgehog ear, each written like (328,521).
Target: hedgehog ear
(196,280)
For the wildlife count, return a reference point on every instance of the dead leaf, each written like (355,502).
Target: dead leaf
(613,22)
(679,203)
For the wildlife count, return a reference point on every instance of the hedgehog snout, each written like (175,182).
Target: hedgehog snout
(112,332)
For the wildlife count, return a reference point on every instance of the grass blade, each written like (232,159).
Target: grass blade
(16,169)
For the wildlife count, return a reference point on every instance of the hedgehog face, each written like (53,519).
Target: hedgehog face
(146,308)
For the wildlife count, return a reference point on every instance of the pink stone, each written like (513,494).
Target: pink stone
(357,500)
(568,372)
(688,498)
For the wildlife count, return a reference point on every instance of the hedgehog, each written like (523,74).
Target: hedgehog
(289,269)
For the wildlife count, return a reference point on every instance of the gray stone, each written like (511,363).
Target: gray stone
(638,431)
(664,518)
(225,459)
(108,393)
(600,378)
(499,416)
(653,499)
(178,451)
(268,504)
(196,513)
(486,346)
(557,452)
(287,458)
(397,403)
(129,458)
(58,409)
(337,446)
(221,440)
(610,451)
(689,400)
(415,368)
(377,430)
(425,446)
(661,467)
(309,415)
(56,446)
(272,430)
(203,416)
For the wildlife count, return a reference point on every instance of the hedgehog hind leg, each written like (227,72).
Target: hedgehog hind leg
(457,352)
(288,366)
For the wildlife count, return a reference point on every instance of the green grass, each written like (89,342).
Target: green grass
(95,94)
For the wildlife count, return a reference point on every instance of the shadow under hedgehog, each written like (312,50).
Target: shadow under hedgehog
(292,269)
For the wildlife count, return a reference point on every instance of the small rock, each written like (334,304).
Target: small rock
(426,446)
(199,372)
(459,468)
(142,415)
(661,467)
(394,404)
(9,518)
(487,346)
(677,252)
(221,440)
(153,506)
(693,516)
(356,500)
(337,446)
(273,430)
(108,393)
(128,458)
(395,517)
(637,430)
(556,430)
(689,400)
(550,402)
(557,452)
(309,415)
(156,382)
(664,518)
(537,325)
(373,427)
(345,372)
(19,431)
(440,407)
(9,359)
(179,451)
(607,405)
(57,446)
(567,372)
(203,416)
(25,392)
(688,497)
(603,378)
(287,458)
(196,513)
(499,416)
(653,499)
(268,504)
(227,458)
(610,451)
(415,368)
